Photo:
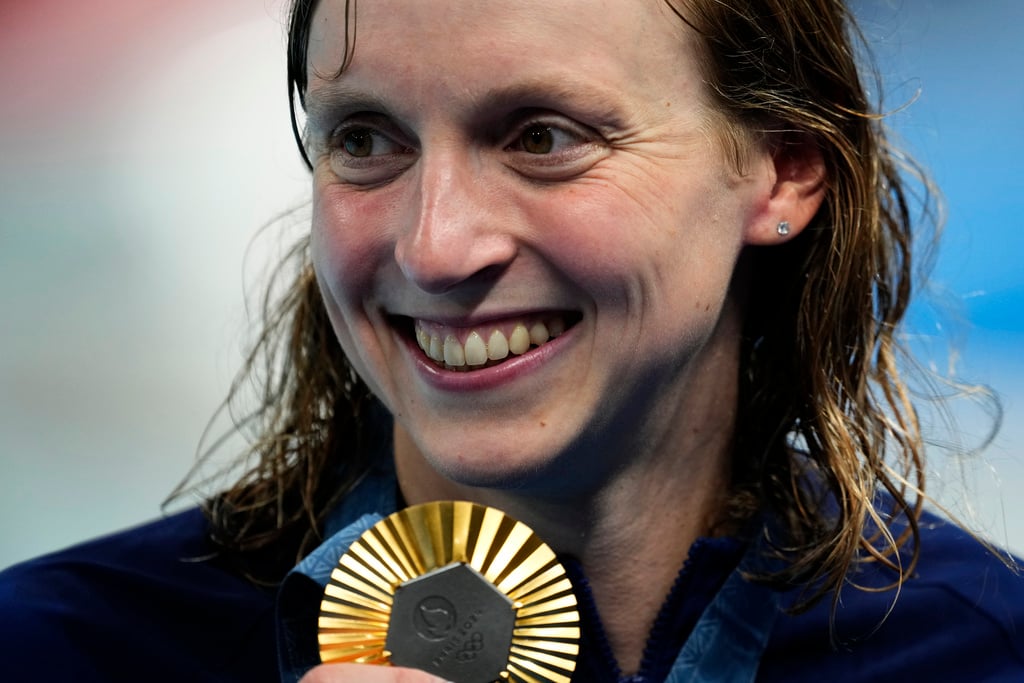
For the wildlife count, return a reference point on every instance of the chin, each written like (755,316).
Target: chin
(542,475)
(500,470)
(491,474)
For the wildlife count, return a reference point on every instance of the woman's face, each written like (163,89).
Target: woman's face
(524,228)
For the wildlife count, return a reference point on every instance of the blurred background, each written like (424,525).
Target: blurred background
(144,143)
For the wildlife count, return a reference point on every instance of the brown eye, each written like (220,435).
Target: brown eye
(537,140)
(358,142)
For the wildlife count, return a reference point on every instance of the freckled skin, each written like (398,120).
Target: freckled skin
(616,446)
(651,219)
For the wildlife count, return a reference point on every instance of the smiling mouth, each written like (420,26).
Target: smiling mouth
(464,349)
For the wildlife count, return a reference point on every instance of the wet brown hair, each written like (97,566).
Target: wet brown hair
(825,422)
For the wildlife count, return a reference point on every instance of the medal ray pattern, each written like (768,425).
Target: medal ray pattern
(425,541)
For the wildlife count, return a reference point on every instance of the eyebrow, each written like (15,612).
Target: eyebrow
(587,100)
(327,104)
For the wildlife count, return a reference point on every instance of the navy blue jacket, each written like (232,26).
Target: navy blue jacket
(151,604)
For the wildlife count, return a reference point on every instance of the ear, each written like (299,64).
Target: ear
(798,182)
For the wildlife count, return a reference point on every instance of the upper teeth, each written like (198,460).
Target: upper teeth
(484,344)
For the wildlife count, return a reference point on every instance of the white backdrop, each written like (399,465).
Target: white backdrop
(133,178)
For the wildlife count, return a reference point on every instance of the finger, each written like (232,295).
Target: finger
(361,673)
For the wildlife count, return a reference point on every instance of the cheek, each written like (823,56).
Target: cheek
(349,241)
(347,244)
(588,230)
(607,234)
(656,257)
(348,249)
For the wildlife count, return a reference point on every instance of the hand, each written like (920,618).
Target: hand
(359,673)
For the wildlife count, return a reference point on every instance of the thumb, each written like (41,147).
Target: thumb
(363,673)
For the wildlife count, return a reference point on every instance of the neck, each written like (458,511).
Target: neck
(631,536)
(633,532)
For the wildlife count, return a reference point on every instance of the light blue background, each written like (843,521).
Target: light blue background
(960,63)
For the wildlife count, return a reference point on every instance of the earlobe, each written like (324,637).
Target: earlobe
(798,189)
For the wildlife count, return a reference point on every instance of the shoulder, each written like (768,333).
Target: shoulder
(149,599)
(959,617)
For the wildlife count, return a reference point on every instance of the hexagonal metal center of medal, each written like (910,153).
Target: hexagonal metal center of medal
(453,623)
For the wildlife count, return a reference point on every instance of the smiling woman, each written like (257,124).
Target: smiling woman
(630,276)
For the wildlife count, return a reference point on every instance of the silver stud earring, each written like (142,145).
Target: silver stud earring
(782,228)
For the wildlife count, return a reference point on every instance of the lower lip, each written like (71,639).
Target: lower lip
(486,378)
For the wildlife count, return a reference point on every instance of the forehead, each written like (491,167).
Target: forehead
(462,45)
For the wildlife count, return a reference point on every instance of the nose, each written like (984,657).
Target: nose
(454,232)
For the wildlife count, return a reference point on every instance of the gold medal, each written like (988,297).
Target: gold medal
(457,589)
